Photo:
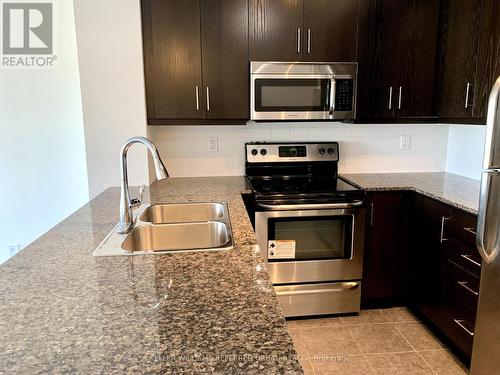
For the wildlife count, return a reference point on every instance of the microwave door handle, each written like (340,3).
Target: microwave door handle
(332,97)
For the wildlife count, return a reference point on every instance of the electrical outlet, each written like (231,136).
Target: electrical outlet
(213,144)
(405,142)
(14,249)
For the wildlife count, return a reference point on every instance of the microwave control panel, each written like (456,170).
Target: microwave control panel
(344,94)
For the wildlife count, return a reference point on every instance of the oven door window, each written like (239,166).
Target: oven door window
(292,94)
(313,238)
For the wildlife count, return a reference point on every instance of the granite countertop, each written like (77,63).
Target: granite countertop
(64,311)
(452,189)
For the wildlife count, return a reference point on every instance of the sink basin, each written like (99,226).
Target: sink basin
(170,228)
(182,213)
(177,237)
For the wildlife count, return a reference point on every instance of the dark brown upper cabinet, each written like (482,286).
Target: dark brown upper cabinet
(488,68)
(196,60)
(457,59)
(224,30)
(275,28)
(303,30)
(330,30)
(396,53)
(172,53)
(469,58)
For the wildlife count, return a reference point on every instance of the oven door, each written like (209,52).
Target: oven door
(304,246)
(282,97)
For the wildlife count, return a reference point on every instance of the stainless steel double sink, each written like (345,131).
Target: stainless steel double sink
(178,227)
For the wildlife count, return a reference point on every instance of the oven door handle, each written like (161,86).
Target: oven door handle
(319,206)
(340,288)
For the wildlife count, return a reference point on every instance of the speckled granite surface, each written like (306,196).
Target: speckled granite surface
(458,191)
(64,311)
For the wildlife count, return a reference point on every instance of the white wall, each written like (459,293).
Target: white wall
(465,150)
(363,148)
(109,39)
(42,153)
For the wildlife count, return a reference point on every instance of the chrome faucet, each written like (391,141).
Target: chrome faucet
(127,205)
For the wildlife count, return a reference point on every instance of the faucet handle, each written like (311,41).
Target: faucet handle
(136,202)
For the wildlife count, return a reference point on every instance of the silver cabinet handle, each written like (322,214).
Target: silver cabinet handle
(208,99)
(197,93)
(372,207)
(468,257)
(464,285)
(467,90)
(390,97)
(471,231)
(441,237)
(461,325)
(308,40)
(298,40)
(400,97)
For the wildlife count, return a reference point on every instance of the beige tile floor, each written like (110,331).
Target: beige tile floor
(388,341)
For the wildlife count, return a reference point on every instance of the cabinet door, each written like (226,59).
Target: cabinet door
(173,63)
(459,39)
(330,30)
(276,30)
(383,250)
(427,257)
(225,59)
(381,34)
(416,50)
(488,68)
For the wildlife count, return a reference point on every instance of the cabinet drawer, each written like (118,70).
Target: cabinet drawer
(466,256)
(460,307)
(463,227)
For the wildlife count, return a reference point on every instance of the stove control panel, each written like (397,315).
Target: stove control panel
(291,152)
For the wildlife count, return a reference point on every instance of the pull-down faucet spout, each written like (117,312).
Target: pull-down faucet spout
(127,205)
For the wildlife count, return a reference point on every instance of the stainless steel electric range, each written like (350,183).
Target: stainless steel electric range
(309,224)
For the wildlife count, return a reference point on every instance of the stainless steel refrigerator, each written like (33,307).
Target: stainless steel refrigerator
(486,349)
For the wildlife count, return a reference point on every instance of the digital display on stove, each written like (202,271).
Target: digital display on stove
(292,151)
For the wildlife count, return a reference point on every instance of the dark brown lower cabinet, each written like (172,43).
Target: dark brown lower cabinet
(460,307)
(427,257)
(383,283)
(421,252)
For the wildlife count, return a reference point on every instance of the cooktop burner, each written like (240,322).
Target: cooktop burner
(299,185)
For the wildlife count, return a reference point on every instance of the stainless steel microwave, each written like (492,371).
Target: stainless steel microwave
(289,91)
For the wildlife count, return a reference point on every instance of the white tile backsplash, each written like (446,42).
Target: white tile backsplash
(363,147)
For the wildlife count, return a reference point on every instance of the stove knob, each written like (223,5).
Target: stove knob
(321,151)
(254,152)
(263,152)
(331,151)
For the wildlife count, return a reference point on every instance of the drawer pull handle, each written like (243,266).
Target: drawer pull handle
(471,231)
(443,221)
(461,325)
(464,285)
(468,257)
